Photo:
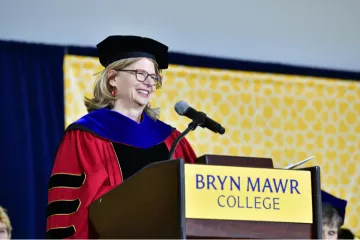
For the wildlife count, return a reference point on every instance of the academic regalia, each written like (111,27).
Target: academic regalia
(104,148)
(98,152)
(345,233)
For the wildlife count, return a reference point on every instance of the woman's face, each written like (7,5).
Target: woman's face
(329,232)
(3,231)
(130,90)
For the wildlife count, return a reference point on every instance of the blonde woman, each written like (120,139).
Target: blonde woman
(116,138)
(5,225)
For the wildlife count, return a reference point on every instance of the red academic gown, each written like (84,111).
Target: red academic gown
(90,162)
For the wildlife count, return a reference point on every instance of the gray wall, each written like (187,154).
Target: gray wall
(322,33)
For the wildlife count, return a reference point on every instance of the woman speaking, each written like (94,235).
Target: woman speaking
(118,136)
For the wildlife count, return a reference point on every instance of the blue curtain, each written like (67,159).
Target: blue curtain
(31,127)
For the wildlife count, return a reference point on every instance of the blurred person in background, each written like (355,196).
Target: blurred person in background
(119,136)
(331,222)
(333,215)
(5,225)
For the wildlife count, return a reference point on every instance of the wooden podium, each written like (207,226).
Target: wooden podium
(151,204)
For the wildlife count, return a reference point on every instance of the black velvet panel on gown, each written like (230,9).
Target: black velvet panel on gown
(133,159)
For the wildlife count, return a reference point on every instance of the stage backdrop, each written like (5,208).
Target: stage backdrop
(287,118)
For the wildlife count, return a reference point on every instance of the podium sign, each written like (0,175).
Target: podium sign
(251,194)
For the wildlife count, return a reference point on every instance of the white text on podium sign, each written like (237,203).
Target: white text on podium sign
(253,194)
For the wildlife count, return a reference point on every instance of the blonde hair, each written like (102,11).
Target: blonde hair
(102,97)
(4,218)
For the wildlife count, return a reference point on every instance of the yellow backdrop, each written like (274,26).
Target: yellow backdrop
(287,118)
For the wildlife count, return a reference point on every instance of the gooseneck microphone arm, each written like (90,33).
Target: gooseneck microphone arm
(191,127)
(198,119)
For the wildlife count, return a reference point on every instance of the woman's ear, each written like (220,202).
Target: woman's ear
(111,77)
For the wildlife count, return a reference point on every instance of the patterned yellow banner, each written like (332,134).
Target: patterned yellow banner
(286,118)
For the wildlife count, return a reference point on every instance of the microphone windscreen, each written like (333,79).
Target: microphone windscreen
(181,107)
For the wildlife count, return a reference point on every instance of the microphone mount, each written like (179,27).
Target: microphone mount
(198,121)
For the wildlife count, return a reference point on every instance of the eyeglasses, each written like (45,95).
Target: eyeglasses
(142,75)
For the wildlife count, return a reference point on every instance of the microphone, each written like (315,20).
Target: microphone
(184,109)
(198,119)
